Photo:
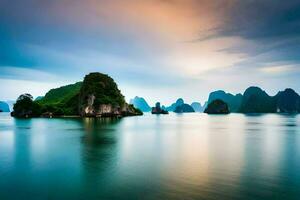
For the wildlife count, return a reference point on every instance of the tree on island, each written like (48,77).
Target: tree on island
(26,107)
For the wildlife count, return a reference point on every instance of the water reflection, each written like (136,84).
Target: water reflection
(194,156)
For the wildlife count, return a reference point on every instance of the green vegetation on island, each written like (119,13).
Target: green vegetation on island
(97,96)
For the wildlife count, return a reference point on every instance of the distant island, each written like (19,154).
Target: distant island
(97,96)
(140,103)
(181,107)
(4,107)
(158,109)
(255,100)
(197,107)
(233,101)
(184,108)
(178,107)
(217,107)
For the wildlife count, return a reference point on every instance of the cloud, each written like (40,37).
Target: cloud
(11,88)
(161,45)
(16,73)
(270,30)
(280,69)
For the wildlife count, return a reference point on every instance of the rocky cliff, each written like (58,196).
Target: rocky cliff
(99,96)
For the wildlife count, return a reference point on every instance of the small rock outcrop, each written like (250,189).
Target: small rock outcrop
(217,106)
(158,110)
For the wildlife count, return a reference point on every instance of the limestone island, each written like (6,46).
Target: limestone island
(158,110)
(97,96)
(217,107)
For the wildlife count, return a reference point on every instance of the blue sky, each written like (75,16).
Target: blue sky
(158,49)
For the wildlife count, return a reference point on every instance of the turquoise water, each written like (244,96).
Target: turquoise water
(189,156)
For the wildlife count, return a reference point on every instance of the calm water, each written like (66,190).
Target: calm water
(190,156)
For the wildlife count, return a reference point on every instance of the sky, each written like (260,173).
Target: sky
(157,49)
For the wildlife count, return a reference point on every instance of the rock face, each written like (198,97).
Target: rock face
(255,100)
(217,106)
(197,107)
(158,110)
(140,103)
(99,96)
(287,101)
(184,108)
(4,107)
(233,101)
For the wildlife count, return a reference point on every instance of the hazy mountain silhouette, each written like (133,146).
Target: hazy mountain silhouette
(287,101)
(172,108)
(180,107)
(197,107)
(233,101)
(255,100)
(4,107)
(184,108)
(140,103)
